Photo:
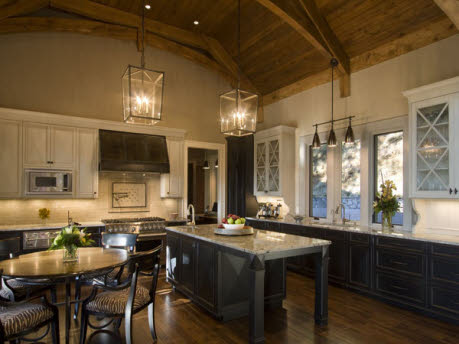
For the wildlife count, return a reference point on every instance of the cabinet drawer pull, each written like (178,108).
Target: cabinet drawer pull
(398,263)
(455,191)
(450,191)
(400,288)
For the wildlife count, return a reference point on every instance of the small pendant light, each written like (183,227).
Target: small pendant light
(206,163)
(316,140)
(216,163)
(349,139)
(332,137)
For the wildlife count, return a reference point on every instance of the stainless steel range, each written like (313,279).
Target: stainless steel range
(139,225)
(151,231)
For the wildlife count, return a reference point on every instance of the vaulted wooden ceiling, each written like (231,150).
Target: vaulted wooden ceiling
(286,45)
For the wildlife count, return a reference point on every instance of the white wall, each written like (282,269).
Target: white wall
(376,94)
(80,75)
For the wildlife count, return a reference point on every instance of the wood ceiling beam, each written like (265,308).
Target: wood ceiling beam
(451,9)
(96,28)
(22,7)
(332,43)
(428,34)
(187,39)
(306,19)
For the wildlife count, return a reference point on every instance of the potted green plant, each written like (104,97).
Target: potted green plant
(386,203)
(70,239)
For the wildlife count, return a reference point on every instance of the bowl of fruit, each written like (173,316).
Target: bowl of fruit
(233,222)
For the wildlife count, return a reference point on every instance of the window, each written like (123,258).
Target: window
(389,166)
(318,182)
(350,180)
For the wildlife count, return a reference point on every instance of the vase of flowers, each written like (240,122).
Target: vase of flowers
(69,240)
(43,214)
(386,203)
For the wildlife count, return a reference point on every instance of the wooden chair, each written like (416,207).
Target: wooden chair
(124,300)
(125,241)
(18,319)
(16,289)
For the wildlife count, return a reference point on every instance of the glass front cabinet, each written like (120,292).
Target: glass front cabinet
(274,161)
(434,143)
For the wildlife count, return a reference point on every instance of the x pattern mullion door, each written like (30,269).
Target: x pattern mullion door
(432,148)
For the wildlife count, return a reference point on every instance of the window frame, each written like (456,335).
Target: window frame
(375,163)
(310,181)
(365,132)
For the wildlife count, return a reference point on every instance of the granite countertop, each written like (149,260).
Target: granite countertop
(261,242)
(402,234)
(29,227)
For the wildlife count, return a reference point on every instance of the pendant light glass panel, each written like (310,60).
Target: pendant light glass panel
(142,95)
(238,112)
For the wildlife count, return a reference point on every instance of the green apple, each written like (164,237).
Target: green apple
(230,221)
(238,222)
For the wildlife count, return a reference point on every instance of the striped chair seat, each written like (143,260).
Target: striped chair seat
(114,302)
(21,289)
(19,317)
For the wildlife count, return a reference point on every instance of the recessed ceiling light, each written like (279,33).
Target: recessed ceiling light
(147,7)
(196,22)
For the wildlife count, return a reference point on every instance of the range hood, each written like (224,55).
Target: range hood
(128,152)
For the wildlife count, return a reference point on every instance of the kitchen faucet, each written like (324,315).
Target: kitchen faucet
(343,213)
(192,223)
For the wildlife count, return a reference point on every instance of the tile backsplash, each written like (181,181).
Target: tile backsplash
(437,216)
(83,210)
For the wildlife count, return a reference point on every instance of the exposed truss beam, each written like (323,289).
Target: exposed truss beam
(174,34)
(451,9)
(429,34)
(304,17)
(96,28)
(21,7)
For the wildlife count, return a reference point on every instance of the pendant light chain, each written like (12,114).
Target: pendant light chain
(239,44)
(333,67)
(142,59)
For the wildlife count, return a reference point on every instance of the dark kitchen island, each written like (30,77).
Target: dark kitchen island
(232,277)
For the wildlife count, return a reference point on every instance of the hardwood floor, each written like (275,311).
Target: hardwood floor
(353,319)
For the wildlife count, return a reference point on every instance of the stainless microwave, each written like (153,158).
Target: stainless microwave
(48,182)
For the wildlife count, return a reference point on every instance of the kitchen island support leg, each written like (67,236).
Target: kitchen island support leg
(256,301)
(321,300)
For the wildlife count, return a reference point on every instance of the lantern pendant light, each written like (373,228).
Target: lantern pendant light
(142,90)
(331,136)
(206,162)
(238,108)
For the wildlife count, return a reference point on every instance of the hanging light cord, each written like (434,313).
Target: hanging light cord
(333,67)
(142,59)
(239,44)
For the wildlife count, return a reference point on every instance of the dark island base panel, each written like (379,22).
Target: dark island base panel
(218,280)
(415,275)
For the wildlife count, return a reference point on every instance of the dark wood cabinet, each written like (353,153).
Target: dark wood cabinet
(359,265)
(205,274)
(173,256)
(187,266)
(338,262)
(217,279)
(413,274)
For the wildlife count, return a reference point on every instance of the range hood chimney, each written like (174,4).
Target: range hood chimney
(128,152)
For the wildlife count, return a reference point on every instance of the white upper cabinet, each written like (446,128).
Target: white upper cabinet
(88,163)
(10,158)
(434,150)
(275,162)
(49,146)
(171,184)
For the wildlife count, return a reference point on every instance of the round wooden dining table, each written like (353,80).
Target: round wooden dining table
(49,266)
